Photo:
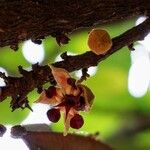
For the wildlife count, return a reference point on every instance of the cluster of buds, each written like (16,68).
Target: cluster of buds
(69,96)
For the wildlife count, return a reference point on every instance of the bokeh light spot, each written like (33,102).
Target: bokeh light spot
(32,52)
(38,115)
(91,71)
(2,83)
(8,143)
(139,77)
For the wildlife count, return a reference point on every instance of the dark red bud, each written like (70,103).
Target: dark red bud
(76,122)
(53,115)
(50,92)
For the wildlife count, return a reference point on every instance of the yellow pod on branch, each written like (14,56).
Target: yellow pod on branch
(99,41)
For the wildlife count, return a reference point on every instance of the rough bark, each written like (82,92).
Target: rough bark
(56,141)
(34,19)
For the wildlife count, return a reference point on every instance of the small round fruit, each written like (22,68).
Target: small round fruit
(76,122)
(99,41)
(53,115)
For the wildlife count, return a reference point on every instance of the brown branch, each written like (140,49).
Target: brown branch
(34,19)
(88,59)
(56,141)
(44,140)
(19,87)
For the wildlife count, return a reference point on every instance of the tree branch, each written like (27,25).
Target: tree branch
(88,59)
(19,87)
(46,140)
(34,19)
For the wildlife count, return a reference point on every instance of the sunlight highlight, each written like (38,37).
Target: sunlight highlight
(58,58)
(8,143)
(140,20)
(2,83)
(91,71)
(38,115)
(32,52)
(146,41)
(139,52)
(139,77)
(139,73)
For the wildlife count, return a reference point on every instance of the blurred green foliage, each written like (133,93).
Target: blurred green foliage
(114,109)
